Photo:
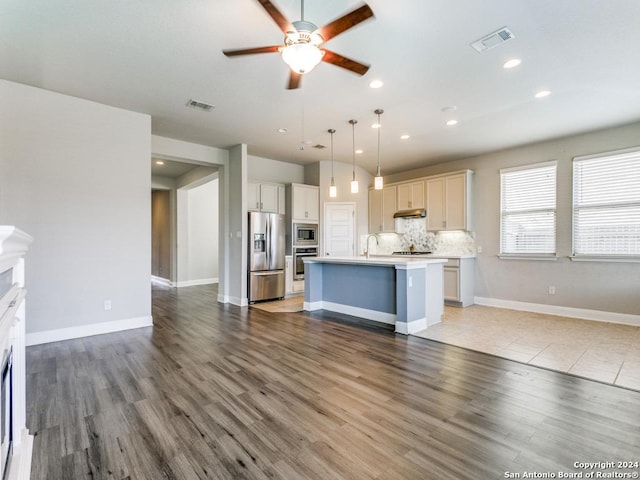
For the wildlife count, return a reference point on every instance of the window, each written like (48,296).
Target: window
(606,204)
(528,210)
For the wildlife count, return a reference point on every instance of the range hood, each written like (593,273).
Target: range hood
(412,213)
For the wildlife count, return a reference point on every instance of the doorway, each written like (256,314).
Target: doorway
(185,223)
(339,229)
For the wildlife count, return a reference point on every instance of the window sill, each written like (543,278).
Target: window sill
(604,258)
(535,257)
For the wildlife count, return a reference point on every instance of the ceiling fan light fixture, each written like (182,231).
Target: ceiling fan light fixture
(302,57)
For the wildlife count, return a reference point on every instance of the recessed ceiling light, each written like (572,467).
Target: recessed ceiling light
(376,83)
(282,130)
(452,122)
(514,62)
(543,93)
(359,151)
(404,137)
(159,162)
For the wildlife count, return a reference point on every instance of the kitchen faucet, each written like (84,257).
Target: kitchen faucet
(377,243)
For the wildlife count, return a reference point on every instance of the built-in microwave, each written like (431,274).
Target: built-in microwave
(305,234)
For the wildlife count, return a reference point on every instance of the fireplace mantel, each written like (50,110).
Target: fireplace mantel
(14,244)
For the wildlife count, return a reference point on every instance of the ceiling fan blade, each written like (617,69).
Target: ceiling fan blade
(345,22)
(294,80)
(284,24)
(249,51)
(344,62)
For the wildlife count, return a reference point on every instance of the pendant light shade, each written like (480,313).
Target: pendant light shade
(333,190)
(354,182)
(378,183)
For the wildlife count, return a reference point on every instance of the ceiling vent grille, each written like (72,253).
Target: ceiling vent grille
(493,39)
(205,107)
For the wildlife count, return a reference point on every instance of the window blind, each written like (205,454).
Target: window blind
(606,204)
(528,209)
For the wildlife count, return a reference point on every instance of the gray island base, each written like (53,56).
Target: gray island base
(405,292)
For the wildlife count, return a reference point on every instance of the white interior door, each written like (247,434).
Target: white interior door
(339,229)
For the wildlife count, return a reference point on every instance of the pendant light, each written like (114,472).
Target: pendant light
(354,182)
(333,190)
(378,182)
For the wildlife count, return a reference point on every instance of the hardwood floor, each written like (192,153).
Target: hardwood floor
(215,391)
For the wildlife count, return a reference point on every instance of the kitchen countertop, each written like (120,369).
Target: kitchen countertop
(382,260)
(427,255)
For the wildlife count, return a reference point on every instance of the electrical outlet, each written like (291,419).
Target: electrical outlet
(552,289)
(107,304)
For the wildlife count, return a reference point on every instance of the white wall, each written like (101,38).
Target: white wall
(343,174)
(267,170)
(608,287)
(75,175)
(203,233)
(236,259)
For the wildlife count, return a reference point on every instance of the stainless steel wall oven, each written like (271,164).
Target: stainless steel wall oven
(299,253)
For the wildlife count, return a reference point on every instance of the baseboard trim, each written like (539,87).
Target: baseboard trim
(240,302)
(162,281)
(48,336)
(376,316)
(193,283)
(409,328)
(586,314)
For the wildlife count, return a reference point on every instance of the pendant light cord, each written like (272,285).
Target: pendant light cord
(353,149)
(379,127)
(302,121)
(378,112)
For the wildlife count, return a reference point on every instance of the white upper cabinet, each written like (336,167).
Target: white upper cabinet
(411,195)
(382,206)
(448,201)
(305,202)
(265,197)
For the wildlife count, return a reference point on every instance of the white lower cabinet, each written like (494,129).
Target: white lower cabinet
(459,282)
(291,286)
(288,274)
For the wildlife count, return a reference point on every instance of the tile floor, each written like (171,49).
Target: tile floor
(605,352)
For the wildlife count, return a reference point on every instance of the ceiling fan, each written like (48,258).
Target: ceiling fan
(302,40)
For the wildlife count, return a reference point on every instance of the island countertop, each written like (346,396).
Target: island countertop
(376,260)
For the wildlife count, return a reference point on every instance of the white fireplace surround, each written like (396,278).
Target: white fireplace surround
(13,247)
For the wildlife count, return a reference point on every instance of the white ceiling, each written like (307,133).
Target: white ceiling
(152,56)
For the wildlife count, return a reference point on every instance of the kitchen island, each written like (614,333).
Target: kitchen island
(404,292)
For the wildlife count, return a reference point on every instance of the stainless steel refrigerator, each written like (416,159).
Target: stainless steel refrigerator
(266,256)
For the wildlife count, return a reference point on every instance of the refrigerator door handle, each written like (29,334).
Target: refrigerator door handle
(268,241)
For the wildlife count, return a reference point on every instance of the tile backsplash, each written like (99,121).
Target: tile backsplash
(414,232)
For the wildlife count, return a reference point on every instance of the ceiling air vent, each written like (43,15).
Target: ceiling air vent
(205,107)
(493,39)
